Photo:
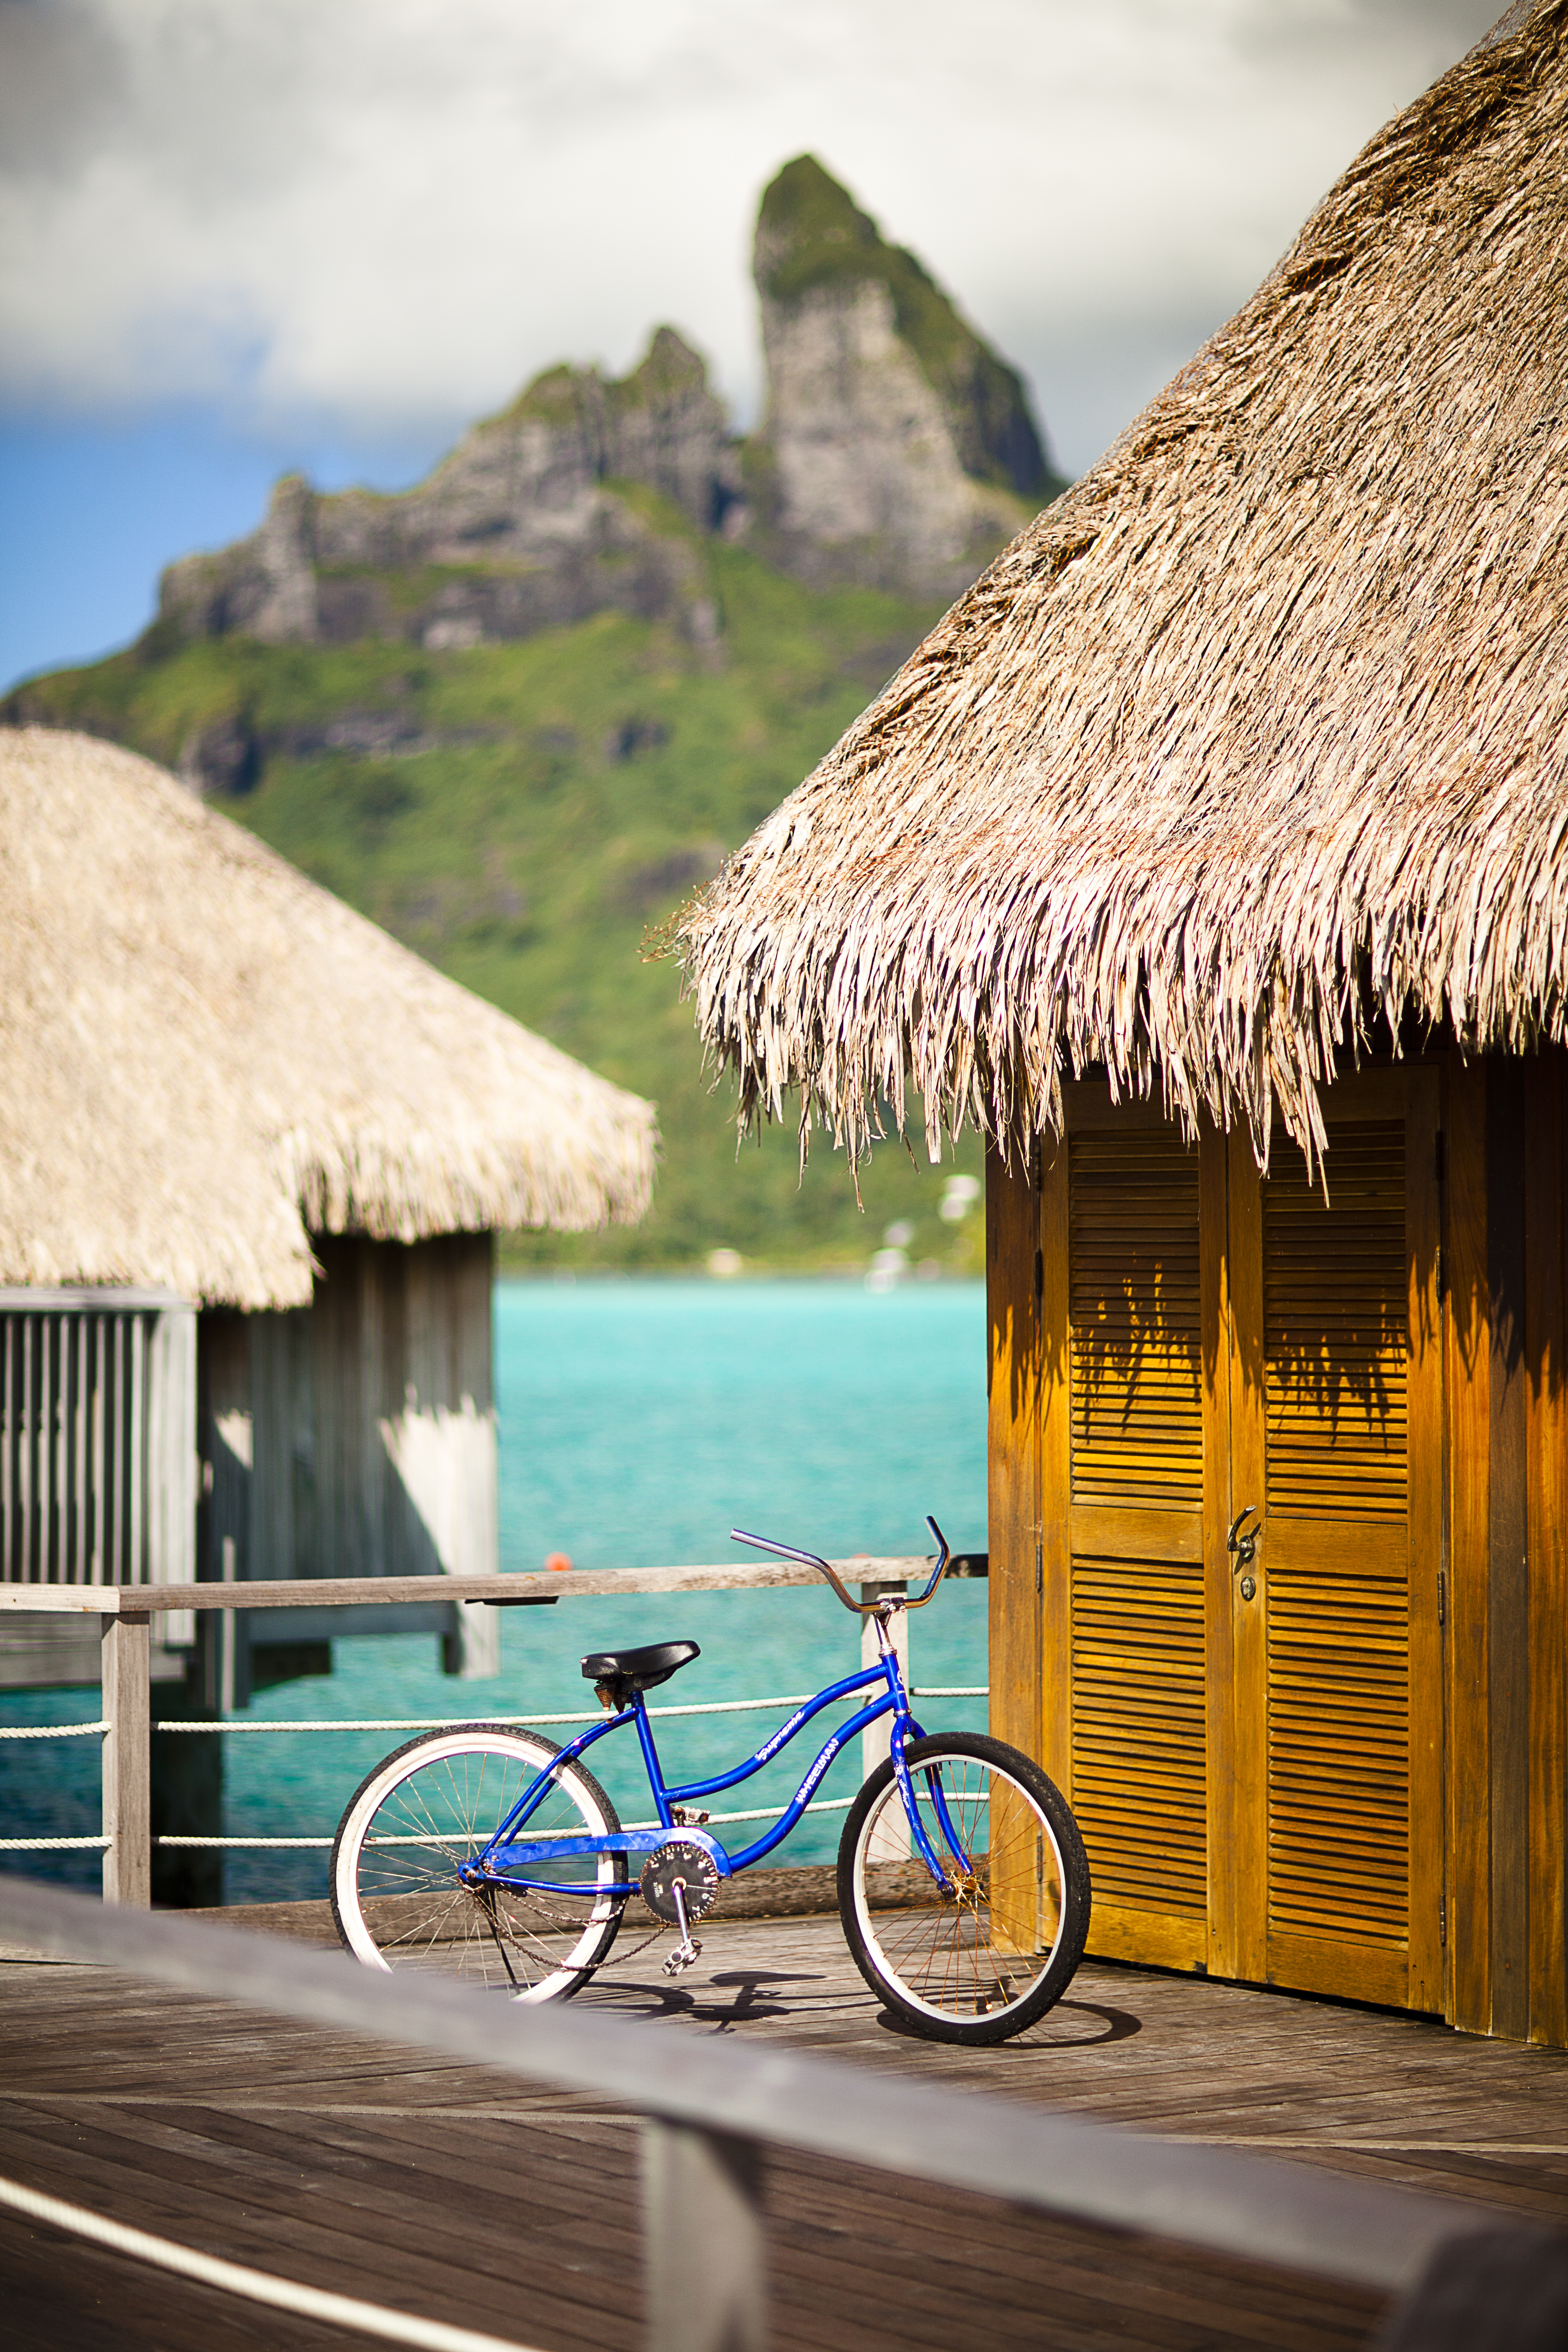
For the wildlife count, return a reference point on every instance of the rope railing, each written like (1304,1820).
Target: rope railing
(51,1730)
(124,1612)
(420,1723)
(590,1715)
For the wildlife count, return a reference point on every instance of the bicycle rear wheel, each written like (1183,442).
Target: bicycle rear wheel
(433,1805)
(982,1957)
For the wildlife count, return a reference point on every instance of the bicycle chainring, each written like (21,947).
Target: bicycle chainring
(694,1866)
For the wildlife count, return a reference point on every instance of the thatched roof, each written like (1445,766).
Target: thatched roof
(1255,736)
(204,1057)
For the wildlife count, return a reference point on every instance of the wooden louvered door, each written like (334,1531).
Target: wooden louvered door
(1336,1436)
(1253,1750)
(1122,1474)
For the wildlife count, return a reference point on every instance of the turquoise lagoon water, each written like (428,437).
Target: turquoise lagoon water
(638,1421)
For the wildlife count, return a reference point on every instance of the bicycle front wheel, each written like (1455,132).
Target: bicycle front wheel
(983,1955)
(433,1805)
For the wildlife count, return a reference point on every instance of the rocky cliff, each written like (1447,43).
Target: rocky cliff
(517,531)
(897,450)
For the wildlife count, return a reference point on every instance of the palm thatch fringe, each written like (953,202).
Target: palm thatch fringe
(1258,734)
(206,1057)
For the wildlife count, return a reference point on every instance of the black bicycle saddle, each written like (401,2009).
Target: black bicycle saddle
(639,1669)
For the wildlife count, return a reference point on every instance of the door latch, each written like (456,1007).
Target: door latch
(1242,1539)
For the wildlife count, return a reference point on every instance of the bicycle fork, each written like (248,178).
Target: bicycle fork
(904,1724)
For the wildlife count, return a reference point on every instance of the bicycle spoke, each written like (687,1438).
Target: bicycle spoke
(946,1948)
(428,1812)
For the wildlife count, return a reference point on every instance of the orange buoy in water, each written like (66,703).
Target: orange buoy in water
(560,1561)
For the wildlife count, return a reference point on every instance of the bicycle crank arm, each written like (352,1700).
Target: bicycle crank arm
(688,1951)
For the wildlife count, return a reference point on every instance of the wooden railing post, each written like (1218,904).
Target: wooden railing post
(705,2248)
(127,1793)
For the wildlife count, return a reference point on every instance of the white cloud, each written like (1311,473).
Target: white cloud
(389,212)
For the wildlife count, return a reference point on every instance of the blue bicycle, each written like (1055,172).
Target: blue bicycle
(490,1853)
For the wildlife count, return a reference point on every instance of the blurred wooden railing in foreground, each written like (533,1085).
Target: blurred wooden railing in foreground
(709,2110)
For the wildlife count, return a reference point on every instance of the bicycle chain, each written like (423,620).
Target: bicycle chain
(592,1968)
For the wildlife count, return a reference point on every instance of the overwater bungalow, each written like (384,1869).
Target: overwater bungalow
(253,1154)
(1211,856)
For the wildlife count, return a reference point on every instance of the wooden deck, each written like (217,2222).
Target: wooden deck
(464,2196)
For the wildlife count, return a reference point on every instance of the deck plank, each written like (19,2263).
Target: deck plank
(463,2193)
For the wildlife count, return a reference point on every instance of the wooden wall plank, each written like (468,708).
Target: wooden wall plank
(1508,1538)
(1424,1507)
(171,1450)
(226,1440)
(1012,1244)
(1013,1503)
(1054,1578)
(275,1549)
(1241,1800)
(402,1370)
(382,1278)
(460,1271)
(334,1371)
(1546,1357)
(1469,1386)
(1218,1343)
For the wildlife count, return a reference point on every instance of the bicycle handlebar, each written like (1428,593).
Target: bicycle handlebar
(860,1608)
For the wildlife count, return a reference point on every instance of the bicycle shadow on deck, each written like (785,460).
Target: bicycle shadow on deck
(1115,2025)
(748,2006)
(1071,2025)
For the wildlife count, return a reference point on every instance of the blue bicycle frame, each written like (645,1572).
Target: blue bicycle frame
(507,1861)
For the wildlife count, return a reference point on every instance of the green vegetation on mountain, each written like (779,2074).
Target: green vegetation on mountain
(521,813)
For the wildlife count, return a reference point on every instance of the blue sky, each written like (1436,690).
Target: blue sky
(326,234)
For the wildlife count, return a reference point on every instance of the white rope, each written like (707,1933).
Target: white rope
(468,1722)
(259,2286)
(375,1723)
(763,1813)
(427,1723)
(293,1846)
(301,1846)
(54,1845)
(451,1723)
(51,1730)
(462,1723)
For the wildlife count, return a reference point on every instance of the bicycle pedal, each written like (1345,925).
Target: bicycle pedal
(685,1956)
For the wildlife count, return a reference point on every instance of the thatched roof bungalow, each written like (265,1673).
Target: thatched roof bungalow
(252,1155)
(205,1059)
(1211,856)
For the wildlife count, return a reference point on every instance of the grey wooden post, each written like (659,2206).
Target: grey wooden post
(127,1797)
(705,2248)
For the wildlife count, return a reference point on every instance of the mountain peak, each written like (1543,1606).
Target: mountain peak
(898,445)
(811,232)
(898,451)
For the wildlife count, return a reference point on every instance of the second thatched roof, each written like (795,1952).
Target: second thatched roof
(204,1057)
(1259,733)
